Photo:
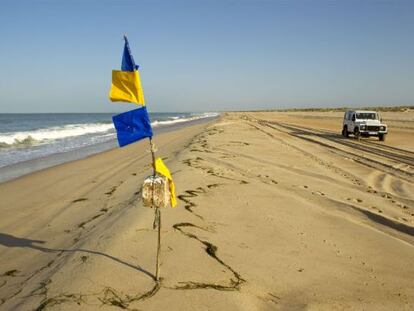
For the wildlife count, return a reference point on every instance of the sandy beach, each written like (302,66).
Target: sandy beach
(277,211)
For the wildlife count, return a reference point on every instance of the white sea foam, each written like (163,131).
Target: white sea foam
(49,135)
(52,133)
(174,120)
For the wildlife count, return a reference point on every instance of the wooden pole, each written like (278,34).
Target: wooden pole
(157,220)
(157,270)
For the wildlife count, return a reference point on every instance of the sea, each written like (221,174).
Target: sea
(29,142)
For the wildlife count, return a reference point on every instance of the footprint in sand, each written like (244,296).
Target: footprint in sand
(212,186)
(403,206)
(79,200)
(357,200)
(13,272)
(377,209)
(111,192)
(271,298)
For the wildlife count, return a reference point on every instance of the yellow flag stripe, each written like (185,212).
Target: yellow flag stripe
(126,87)
(162,169)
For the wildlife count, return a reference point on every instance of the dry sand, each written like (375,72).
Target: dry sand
(276,212)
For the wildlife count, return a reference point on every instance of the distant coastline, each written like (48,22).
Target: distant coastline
(316,109)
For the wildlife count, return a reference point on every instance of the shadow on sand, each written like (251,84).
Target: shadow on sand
(8,240)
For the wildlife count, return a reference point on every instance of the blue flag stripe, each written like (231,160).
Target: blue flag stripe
(132,126)
(128,63)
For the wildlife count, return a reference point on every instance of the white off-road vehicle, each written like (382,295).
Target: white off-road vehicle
(363,123)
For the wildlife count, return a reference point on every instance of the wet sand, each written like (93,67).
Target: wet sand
(276,212)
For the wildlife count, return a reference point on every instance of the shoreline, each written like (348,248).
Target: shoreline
(16,170)
(275,212)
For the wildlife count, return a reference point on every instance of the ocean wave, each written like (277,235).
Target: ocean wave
(39,136)
(24,139)
(174,120)
(28,141)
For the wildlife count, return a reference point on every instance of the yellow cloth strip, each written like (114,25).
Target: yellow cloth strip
(126,87)
(162,169)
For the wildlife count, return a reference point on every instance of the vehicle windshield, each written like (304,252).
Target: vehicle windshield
(366,116)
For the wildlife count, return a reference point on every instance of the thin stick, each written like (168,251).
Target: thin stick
(153,155)
(152,149)
(157,270)
(157,218)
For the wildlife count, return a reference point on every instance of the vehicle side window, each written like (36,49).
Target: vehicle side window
(353,117)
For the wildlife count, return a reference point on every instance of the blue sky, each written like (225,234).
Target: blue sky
(57,56)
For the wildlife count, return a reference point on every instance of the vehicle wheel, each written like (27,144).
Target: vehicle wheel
(357,134)
(381,137)
(345,132)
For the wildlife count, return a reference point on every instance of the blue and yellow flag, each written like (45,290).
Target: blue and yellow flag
(126,83)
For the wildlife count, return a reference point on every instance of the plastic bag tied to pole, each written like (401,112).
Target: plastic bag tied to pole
(155,191)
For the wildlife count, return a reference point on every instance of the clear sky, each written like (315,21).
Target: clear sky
(57,56)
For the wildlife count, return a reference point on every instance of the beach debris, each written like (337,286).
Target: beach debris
(234,283)
(188,203)
(155,191)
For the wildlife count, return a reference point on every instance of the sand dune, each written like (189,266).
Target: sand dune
(276,212)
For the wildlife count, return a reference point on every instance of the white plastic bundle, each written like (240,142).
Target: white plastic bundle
(155,191)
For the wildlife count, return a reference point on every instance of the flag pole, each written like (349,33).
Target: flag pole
(157,220)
